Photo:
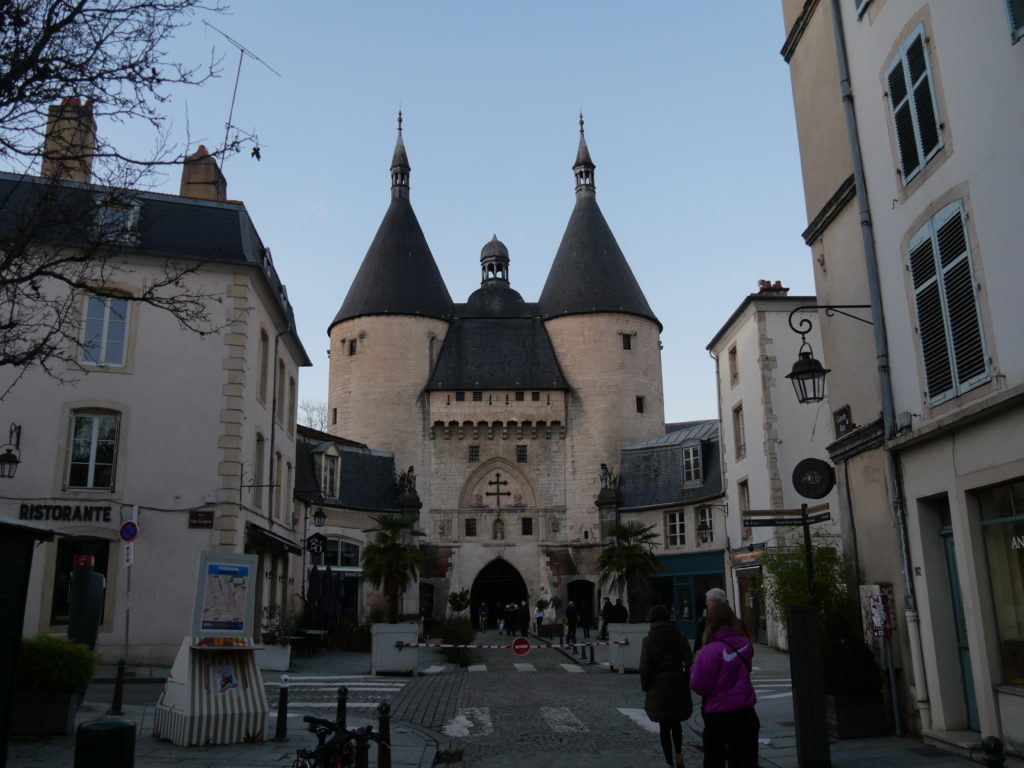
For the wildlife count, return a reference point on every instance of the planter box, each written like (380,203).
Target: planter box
(623,657)
(35,713)
(385,657)
(851,717)
(275,658)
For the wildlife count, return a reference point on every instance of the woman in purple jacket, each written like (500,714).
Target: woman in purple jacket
(721,674)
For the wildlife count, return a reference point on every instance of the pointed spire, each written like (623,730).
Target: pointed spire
(583,168)
(399,165)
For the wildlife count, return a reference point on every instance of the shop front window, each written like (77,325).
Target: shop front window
(1002,520)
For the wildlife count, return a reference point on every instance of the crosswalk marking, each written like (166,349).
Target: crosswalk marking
(762,697)
(562,720)
(476,668)
(525,667)
(470,721)
(575,668)
(640,717)
(434,669)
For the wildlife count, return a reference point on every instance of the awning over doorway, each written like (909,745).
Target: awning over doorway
(271,540)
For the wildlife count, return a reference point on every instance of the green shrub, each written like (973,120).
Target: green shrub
(54,664)
(458,630)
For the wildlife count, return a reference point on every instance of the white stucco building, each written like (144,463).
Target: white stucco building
(195,431)
(913,202)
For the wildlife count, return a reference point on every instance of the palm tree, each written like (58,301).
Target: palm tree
(389,560)
(628,562)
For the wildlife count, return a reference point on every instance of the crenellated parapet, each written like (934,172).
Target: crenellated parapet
(497,430)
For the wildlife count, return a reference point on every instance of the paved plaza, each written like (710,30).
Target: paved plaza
(549,708)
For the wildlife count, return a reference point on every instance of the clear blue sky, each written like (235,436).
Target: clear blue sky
(689,120)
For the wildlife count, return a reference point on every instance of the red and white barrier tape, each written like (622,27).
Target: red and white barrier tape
(400,644)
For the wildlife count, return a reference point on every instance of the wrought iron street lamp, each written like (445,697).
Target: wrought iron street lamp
(319,517)
(11,456)
(808,374)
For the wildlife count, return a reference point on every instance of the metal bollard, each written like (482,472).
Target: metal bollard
(384,733)
(105,743)
(591,654)
(993,748)
(281,732)
(341,716)
(363,746)
(116,707)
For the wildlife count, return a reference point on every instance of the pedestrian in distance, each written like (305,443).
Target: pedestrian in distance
(482,614)
(665,660)
(571,621)
(721,674)
(586,617)
(712,596)
(538,616)
(607,612)
(499,617)
(524,619)
(619,613)
(510,618)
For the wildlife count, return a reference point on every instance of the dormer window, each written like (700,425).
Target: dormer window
(117,223)
(327,474)
(692,470)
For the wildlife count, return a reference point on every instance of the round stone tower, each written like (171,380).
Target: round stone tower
(607,341)
(386,335)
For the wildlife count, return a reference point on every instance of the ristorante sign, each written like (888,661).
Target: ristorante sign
(66,513)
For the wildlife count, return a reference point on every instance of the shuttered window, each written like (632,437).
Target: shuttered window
(1016,9)
(915,113)
(948,315)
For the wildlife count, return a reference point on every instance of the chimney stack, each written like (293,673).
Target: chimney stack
(70,141)
(768,288)
(200,177)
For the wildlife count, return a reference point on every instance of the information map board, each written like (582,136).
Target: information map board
(225,595)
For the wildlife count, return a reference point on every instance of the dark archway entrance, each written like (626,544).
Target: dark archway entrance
(584,596)
(497,584)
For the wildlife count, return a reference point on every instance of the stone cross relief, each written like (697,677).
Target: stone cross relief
(497,493)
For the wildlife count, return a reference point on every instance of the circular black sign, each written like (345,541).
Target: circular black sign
(316,543)
(814,478)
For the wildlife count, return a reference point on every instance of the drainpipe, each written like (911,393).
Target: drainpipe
(895,475)
(273,432)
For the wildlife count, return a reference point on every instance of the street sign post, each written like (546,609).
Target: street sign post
(520,646)
(129,530)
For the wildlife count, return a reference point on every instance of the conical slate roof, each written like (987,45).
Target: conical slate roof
(398,275)
(590,273)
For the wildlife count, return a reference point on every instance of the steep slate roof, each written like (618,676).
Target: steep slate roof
(491,351)
(651,471)
(398,275)
(168,226)
(590,273)
(367,478)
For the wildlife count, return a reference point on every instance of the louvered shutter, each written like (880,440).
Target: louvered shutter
(948,316)
(1016,8)
(912,100)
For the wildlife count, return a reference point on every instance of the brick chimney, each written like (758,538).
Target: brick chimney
(768,288)
(200,177)
(70,141)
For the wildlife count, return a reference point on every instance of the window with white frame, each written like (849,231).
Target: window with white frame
(915,111)
(338,553)
(104,331)
(705,525)
(117,223)
(1016,10)
(258,457)
(743,491)
(264,357)
(948,315)
(675,529)
(327,471)
(93,451)
(692,472)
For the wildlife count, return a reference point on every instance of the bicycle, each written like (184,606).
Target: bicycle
(345,747)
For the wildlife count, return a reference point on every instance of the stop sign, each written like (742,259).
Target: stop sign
(520,646)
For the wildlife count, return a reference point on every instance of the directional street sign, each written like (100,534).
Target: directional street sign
(520,646)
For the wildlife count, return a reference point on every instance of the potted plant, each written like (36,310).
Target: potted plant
(276,633)
(51,675)
(852,678)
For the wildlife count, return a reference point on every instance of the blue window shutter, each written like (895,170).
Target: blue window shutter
(1016,10)
(915,113)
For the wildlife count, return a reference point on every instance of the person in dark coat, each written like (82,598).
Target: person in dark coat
(586,618)
(619,613)
(524,619)
(571,620)
(607,612)
(665,660)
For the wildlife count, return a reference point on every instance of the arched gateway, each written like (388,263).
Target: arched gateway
(497,584)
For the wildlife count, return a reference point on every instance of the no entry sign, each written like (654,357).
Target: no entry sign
(520,646)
